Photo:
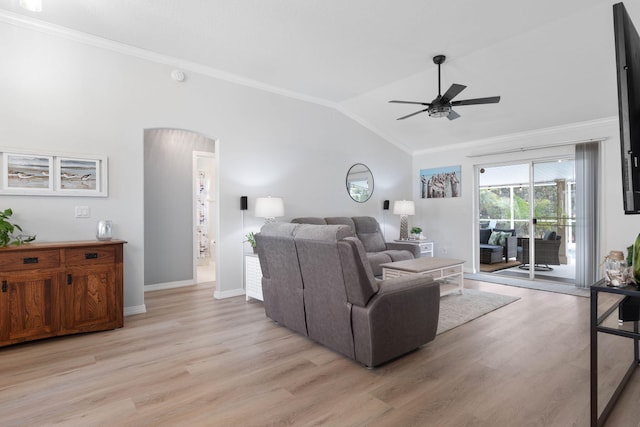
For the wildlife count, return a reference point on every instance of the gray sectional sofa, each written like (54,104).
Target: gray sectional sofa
(317,281)
(367,229)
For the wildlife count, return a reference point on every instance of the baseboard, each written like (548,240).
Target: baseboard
(228,294)
(169,285)
(136,309)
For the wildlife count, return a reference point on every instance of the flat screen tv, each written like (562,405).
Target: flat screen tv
(627,44)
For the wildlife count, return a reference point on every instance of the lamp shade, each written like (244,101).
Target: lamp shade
(269,207)
(404,207)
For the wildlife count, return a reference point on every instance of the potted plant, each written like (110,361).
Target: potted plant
(251,239)
(416,232)
(7,229)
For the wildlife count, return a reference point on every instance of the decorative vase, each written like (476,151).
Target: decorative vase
(636,260)
(615,269)
(103,230)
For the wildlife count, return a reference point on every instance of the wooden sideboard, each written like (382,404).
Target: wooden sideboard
(60,288)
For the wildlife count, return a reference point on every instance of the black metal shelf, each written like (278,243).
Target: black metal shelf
(597,288)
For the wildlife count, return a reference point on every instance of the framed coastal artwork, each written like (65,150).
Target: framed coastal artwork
(77,175)
(27,173)
(53,174)
(438,183)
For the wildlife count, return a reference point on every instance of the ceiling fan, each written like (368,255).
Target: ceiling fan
(442,105)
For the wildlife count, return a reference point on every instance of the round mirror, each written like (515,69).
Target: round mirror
(359,183)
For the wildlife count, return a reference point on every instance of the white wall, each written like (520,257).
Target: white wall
(62,95)
(451,223)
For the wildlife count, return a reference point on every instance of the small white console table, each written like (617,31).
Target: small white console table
(426,246)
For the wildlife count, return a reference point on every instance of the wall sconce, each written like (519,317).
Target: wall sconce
(404,208)
(269,208)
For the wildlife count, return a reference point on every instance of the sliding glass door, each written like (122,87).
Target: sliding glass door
(535,200)
(554,219)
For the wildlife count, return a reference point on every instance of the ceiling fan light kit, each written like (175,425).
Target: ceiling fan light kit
(439,111)
(442,105)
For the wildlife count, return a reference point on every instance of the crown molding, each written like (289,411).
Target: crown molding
(525,141)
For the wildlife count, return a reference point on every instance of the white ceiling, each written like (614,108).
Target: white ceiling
(551,61)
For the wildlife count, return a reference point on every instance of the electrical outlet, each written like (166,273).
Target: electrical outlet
(82,212)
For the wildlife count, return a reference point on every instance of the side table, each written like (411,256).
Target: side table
(596,327)
(252,277)
(426,246)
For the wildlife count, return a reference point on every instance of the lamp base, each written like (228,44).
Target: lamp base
(404,227)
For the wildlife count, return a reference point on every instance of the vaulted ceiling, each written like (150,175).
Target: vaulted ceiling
(551,61)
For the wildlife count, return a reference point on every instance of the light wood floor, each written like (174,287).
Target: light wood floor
(195,361)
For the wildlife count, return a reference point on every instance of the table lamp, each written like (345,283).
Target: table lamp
(269,208)
(404,208)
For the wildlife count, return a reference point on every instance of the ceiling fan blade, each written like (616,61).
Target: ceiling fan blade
(453,115)
(412,114)
(410,102)
(489,100)
(452,92)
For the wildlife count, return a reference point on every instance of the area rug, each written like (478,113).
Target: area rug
(456,309)
(540,285)
(490,268)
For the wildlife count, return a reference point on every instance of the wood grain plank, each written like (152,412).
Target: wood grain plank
(193,360)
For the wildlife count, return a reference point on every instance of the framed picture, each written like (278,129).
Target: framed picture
(82,175)
(439,183)
(27,173)
(53,174)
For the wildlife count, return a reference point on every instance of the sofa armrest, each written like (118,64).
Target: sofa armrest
(402,316)
(405,246)
(510,247)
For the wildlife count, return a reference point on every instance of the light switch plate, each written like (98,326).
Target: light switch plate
(82,212)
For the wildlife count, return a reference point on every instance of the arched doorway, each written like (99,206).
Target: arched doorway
(170,174)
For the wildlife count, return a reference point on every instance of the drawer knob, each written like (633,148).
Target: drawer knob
(90,255)
(4,286)
(30,260)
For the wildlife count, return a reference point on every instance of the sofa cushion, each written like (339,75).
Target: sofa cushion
(485,233)
(504,235)
(397,255)
(313,232)
(549,235)
(341,220)
(360,284)
(512,231)
(368,231)
(492,248)
(282,288)
(494,239)
(309,220)
(376,259)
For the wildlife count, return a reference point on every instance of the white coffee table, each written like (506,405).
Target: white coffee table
(441,269)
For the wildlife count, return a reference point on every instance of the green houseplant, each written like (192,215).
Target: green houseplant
(416,232)
(251,239)
(7,229)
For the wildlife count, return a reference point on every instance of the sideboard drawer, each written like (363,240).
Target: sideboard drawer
(90,255)
(29,260)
